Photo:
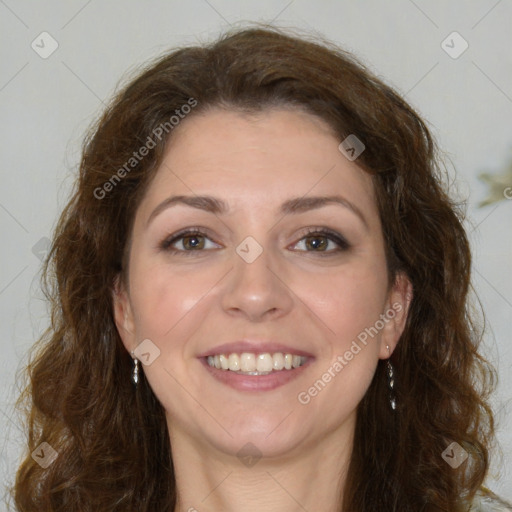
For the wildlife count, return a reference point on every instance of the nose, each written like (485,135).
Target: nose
(257,289)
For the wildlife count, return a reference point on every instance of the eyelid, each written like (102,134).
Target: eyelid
(174,237)
(336,237)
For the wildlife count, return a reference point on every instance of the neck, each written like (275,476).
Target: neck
(307,477)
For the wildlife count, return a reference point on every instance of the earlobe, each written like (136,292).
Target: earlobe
(122,312)
(400,298)
(404,294)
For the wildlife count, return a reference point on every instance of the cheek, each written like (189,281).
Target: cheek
(347,300)
(169,303)
(348,304)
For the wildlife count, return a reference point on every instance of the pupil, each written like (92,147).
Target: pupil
(193,241)
(314,242)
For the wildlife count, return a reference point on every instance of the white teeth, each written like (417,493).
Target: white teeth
(247,362)
(256,364)
(224,362)
(254,373)
(233,362)
(264,363)
(278,361)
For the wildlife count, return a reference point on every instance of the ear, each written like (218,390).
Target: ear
(123,315)
(396,311)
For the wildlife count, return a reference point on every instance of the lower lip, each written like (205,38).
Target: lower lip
(255,382)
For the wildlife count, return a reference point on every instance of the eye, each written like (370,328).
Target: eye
(318,239)
(191,240)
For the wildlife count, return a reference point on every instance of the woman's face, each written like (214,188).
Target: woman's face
(257,279)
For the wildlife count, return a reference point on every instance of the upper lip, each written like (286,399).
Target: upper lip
(253,346)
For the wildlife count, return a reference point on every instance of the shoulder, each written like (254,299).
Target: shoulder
(487,501)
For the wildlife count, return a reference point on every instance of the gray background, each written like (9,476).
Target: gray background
(46,105)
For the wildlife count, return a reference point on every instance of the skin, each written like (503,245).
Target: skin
(312,299)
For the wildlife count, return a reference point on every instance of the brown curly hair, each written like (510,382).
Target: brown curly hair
(113,447)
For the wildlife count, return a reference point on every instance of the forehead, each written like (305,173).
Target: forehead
(257,160)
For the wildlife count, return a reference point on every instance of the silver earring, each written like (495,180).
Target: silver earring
(391,383)
(135,374)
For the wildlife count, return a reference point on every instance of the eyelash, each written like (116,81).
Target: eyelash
(166,244)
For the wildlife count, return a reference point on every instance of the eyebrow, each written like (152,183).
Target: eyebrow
(292,206)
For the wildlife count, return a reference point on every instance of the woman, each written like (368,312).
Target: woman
(259,299)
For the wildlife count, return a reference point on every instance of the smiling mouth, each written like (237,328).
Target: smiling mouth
(250,363)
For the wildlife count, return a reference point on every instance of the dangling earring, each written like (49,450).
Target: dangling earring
(391,383)
(135,374)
